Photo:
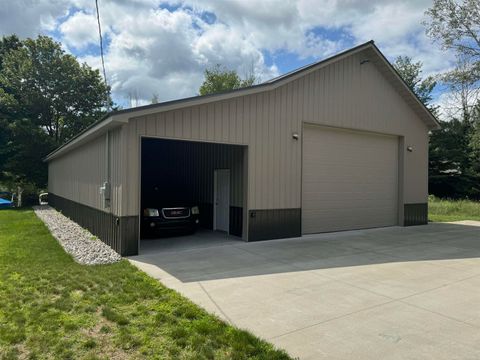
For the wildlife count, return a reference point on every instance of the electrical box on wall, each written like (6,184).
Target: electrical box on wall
(105,192)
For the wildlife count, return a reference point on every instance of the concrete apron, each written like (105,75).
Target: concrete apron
(390,293)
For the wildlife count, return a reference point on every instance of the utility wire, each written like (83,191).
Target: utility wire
(101,42)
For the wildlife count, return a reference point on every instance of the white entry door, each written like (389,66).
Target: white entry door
(222,200)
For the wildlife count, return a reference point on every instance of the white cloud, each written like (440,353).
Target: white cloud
(387,23)
(287,25)
(29,18)
(80,30)
(154,50)
(271,25)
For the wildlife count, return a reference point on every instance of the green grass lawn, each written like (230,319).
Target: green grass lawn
(453,210)
(52,307)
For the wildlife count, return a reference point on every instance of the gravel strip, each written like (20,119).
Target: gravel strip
(84,247)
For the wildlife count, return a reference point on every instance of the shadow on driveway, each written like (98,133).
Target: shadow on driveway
(209,255)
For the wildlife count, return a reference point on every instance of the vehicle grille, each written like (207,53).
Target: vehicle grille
(176,213)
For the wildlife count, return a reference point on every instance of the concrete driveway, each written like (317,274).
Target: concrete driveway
(391,293)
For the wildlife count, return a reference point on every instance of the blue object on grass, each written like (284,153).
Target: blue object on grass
(5,204)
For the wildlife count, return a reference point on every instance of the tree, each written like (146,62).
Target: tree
(46,97)
(455,150)
(452,172)
(455,25)
(411,73)
(22,165)
(219,79)
(451,165)
(475,142)
(8,43)
(155,98)
(463,89)
(133,98)
(44,84)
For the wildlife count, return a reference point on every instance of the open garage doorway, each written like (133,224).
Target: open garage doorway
(189,189)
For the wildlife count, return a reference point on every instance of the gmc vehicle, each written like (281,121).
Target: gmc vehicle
(166,215)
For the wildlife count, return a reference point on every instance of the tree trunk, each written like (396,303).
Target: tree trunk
(56,130)
(19,196)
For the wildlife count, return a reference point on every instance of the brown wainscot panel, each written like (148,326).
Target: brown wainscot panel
(274,224)
(119,232)
(415,214)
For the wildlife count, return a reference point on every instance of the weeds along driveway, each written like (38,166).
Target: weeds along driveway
(390,293)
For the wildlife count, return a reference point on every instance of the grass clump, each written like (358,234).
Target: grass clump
(452,210)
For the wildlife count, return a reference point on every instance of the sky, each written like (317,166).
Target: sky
(162,48)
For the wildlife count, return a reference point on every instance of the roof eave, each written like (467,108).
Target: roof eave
(95,130)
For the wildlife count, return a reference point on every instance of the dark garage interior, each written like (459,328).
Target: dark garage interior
(178,173)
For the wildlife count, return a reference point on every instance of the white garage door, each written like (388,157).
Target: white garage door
(350,180)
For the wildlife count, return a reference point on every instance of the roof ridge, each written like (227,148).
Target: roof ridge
(312,64)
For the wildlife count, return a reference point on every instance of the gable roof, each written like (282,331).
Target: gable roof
(371,51)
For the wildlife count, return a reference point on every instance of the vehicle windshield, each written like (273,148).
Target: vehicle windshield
(167,194)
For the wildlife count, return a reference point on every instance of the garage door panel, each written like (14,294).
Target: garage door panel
(363,202)
(329,187)
(344,177)
(354,165)
(369,218)
(366,212)
(352,185)
(348,158)
(349,180)
(348,169)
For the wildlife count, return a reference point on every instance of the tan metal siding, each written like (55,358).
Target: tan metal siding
(344,94)
(117,169)
(359,97)
(79,174)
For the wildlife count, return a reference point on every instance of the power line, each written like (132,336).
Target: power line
(101,42)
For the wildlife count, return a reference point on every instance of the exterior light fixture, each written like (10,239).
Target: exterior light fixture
(295,136)
(364,61)
(409,148)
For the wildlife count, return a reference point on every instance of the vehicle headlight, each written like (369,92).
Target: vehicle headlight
(195,210)
(150,212)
